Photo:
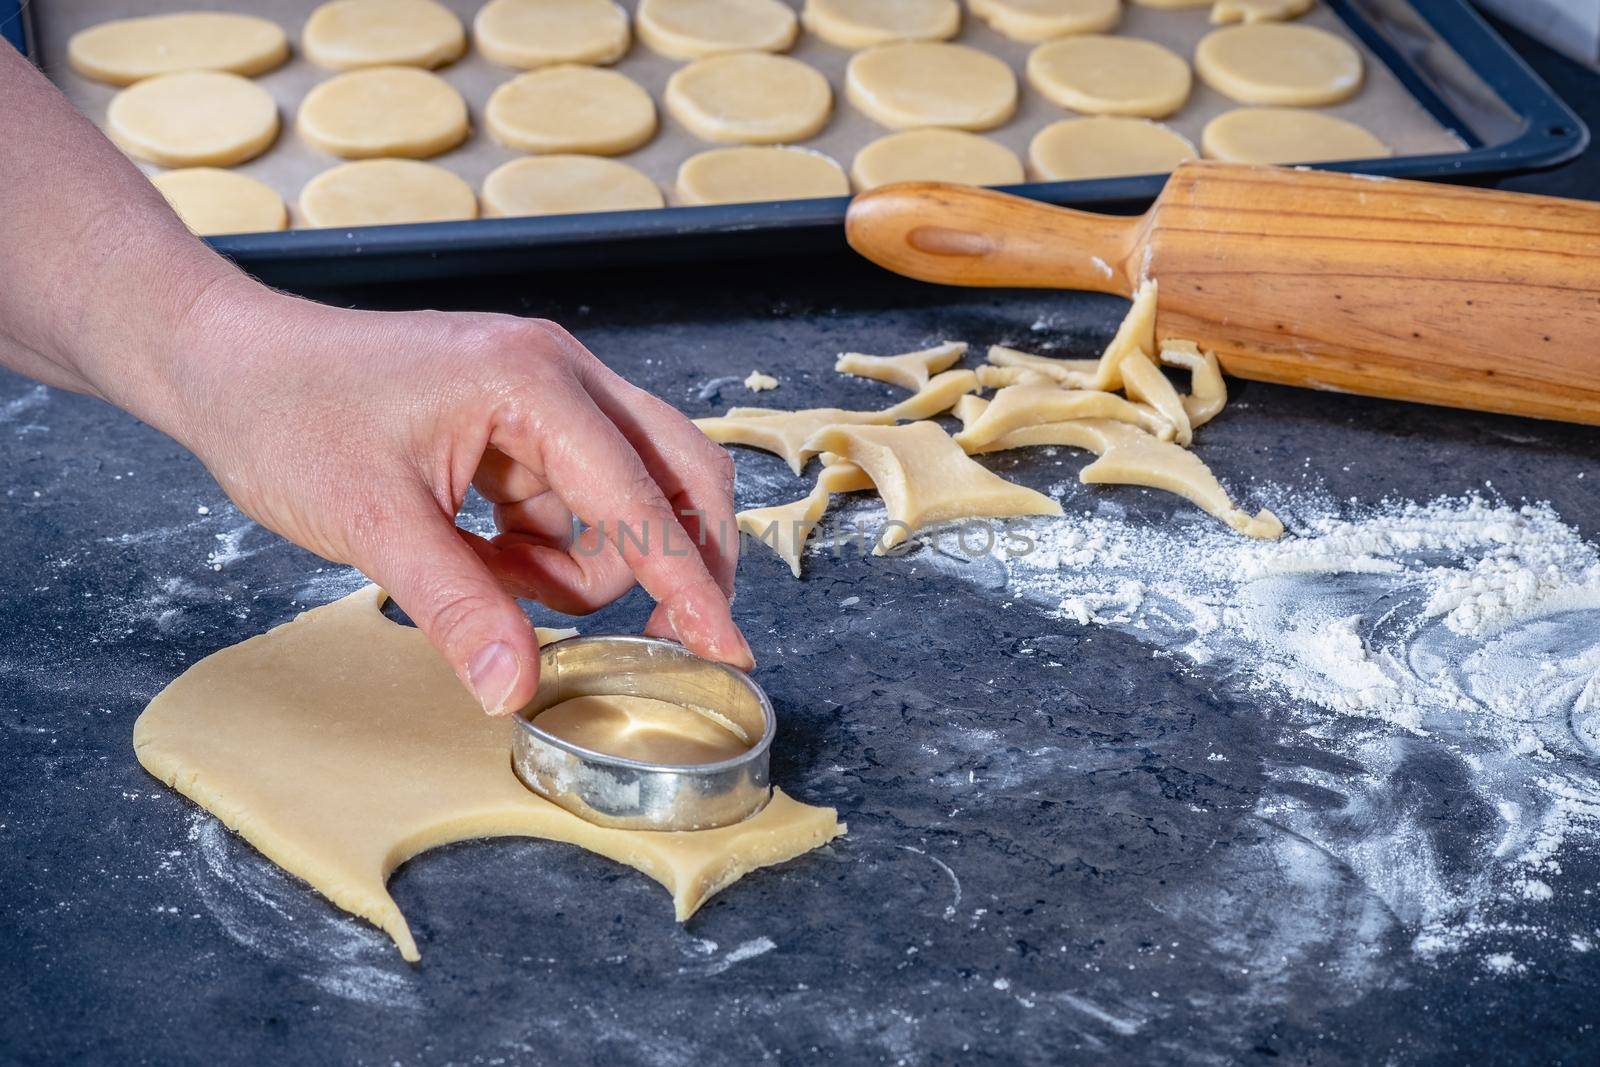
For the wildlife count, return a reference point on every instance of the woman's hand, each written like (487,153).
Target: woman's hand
(356,435)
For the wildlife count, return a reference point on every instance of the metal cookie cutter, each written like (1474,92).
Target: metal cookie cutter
(629,794)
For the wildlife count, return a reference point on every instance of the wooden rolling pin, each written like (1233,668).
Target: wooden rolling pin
(1435,293)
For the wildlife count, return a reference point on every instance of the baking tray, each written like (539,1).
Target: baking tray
(1443,90)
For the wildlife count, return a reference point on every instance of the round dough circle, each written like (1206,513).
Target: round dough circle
(193,119)
(1105,147)
(1171,5)
(124,51)
(571,109)
(538,33)
(384,111)
(347,34)
(923,83)
(567,185)
(746,175)
(693,29)
(1101,75)
(749,98)
(858,24)
(1258,10)
(212,201)
(1286,135)
(935,156)
(1042,20)
(1270,63)
(385,192)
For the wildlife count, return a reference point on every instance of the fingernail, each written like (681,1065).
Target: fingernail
(742,652)
(492,674)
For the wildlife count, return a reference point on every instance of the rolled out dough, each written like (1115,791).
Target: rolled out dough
(928,83)
(383,112)
(935,156)
(691,29)
(193,119)
(1271,63)
(571,108)
(346,34)
(748,174)
(1286,135)
(783,433)
(749,98)
(642,728)
(858,24)
(385,192)
(539,33)
(212,201)
(341,745)
(909,370)
(1258,10)
(566,185)
(1106,147)
(123,51)
(1101,75)
(1041,20)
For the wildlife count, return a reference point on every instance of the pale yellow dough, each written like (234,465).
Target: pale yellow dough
(909,370)
(692,29)
(1101,75)
(571,108)
(212,201)
(758,382)
(566,185)
(1270,63)
(347,34)
(193,119)
(925,83)
(783,433)
(754,173)
(642,728)
(340,745)
(541,33)
(935,156)
(383,111)
(124,51)
(1171,5)
(385,192)
(749,98)
(1258,10)
(1286,135)
(858,24)
(1106,147)
(1041,20)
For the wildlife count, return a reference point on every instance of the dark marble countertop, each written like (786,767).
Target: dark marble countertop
(1049,857)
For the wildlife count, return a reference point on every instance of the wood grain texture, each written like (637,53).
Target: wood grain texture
(1440,294)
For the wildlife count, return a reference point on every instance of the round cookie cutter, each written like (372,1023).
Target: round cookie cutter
(628,794)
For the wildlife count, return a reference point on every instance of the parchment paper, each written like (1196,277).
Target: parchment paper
(1383,105)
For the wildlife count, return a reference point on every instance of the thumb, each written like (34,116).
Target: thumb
(420,558)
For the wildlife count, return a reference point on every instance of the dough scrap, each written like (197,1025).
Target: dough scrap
(385,192)
(785,528)
(1136,333)
(381,112)
(341,744)
(1272,63)
(643,729)
(564,185)
(936,397)
(540,33)
(1144,383)
(1018,406)
(749,98)
(784,433)
(925,478)
(1106,146)
(1286,135)
(1208,393)
(754,173)
(927,83)
(935,155)
(1100,75)
(760,383)
(857,24)
(1042,20)
(123,51)
(212,202)
(570,108)
(991,376)
(347,34)
(693,29)
(197,118)
(909,370)
(1224,11)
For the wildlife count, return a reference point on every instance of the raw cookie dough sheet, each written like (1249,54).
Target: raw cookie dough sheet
(1383,106)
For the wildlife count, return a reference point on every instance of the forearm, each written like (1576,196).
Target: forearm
(101,279)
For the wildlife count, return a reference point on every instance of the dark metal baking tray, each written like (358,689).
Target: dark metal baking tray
(1441,51)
